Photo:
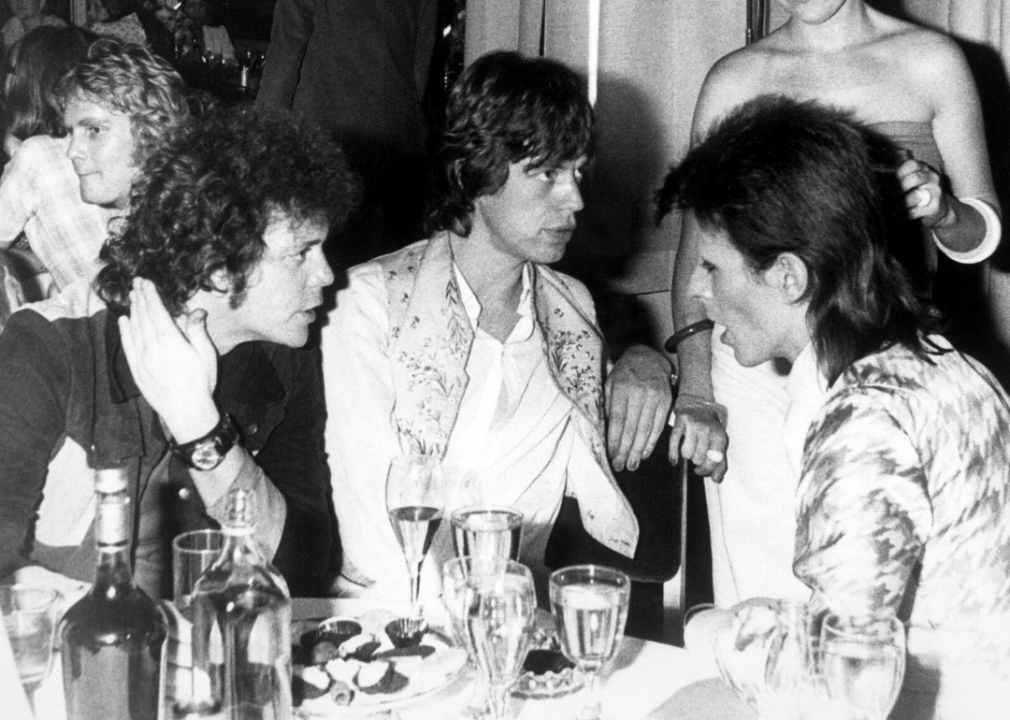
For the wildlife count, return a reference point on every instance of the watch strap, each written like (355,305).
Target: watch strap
(208,451)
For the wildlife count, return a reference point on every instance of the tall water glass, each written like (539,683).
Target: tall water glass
(415,500)
(487,531)
(455,574)
(192,553)
(863,661)
(499,607)
(590,605)
(30,615)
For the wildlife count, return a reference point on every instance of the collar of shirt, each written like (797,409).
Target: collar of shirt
(523,328)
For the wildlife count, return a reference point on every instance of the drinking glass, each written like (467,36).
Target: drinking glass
(488,531)
(498,604)
(590,604)
(30,615)
(455,575)
(415,499)
(863,661)
(192,553)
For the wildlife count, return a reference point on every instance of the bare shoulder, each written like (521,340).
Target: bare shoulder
(734,79)
(923,51)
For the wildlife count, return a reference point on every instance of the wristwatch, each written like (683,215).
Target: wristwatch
(207,452)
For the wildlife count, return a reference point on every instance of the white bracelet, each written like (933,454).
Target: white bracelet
(993,233)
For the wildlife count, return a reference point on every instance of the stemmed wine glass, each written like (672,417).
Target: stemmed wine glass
(29,615)
(497,604)
(863,662)
(415,499)
(590,604)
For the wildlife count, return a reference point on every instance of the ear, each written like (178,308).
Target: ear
(789,275)
(220,280)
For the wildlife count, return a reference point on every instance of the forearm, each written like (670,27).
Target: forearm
(240,471)
(361,439)
(34,382)
(694,354)
(968,225)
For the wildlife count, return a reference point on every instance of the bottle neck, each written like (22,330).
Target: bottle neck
(112,538)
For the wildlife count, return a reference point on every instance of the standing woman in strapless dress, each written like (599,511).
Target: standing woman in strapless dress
(915,86)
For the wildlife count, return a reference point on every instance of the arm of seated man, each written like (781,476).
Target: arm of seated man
(174,363)
(638,396)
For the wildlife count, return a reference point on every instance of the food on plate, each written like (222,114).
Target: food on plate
(367,668)
(359,647)
(406,632)
(379,677)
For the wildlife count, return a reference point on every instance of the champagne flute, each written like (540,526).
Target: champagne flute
(499,604)
(863,661)
(487,531)
(415,499)
(29,615)
(590,604)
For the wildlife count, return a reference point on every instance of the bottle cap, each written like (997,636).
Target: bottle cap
(111,480)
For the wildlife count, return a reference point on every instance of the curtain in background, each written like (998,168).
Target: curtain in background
(983,21)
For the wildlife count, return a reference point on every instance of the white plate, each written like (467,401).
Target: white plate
(452,659)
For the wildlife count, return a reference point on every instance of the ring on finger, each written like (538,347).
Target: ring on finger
(715,456)
(924,197)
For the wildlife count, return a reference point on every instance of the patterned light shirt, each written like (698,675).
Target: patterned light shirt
(902,509)
(40,195)
(902,503)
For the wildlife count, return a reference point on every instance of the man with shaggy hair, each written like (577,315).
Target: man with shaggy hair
(184,362)
(468,349)
(118,103)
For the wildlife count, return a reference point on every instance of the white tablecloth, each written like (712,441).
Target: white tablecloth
(646,680)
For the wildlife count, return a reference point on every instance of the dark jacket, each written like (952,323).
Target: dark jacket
(67,396)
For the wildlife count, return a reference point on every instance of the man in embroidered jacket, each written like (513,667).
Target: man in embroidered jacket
(467,347)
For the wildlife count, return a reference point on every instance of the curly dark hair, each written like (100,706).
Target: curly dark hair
(782,176)
(505,109)
(35,64)
(204,201)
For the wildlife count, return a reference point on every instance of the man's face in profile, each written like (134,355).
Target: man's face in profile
(284,288)
(102,152)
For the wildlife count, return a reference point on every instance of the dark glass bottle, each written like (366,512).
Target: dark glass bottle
(242,626)
(112,638)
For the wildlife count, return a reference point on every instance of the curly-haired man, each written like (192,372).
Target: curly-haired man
(184,361)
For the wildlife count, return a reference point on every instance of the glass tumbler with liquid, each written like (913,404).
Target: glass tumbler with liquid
(487,532)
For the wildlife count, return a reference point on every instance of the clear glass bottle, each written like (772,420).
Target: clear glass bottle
(242,626)
(112,638)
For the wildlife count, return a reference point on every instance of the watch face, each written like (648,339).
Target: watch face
(207,455)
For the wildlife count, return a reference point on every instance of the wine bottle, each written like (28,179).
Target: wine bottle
(242,626)
(112,638)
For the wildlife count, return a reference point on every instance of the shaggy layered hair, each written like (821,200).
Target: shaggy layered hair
(782,176)
(505,109)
